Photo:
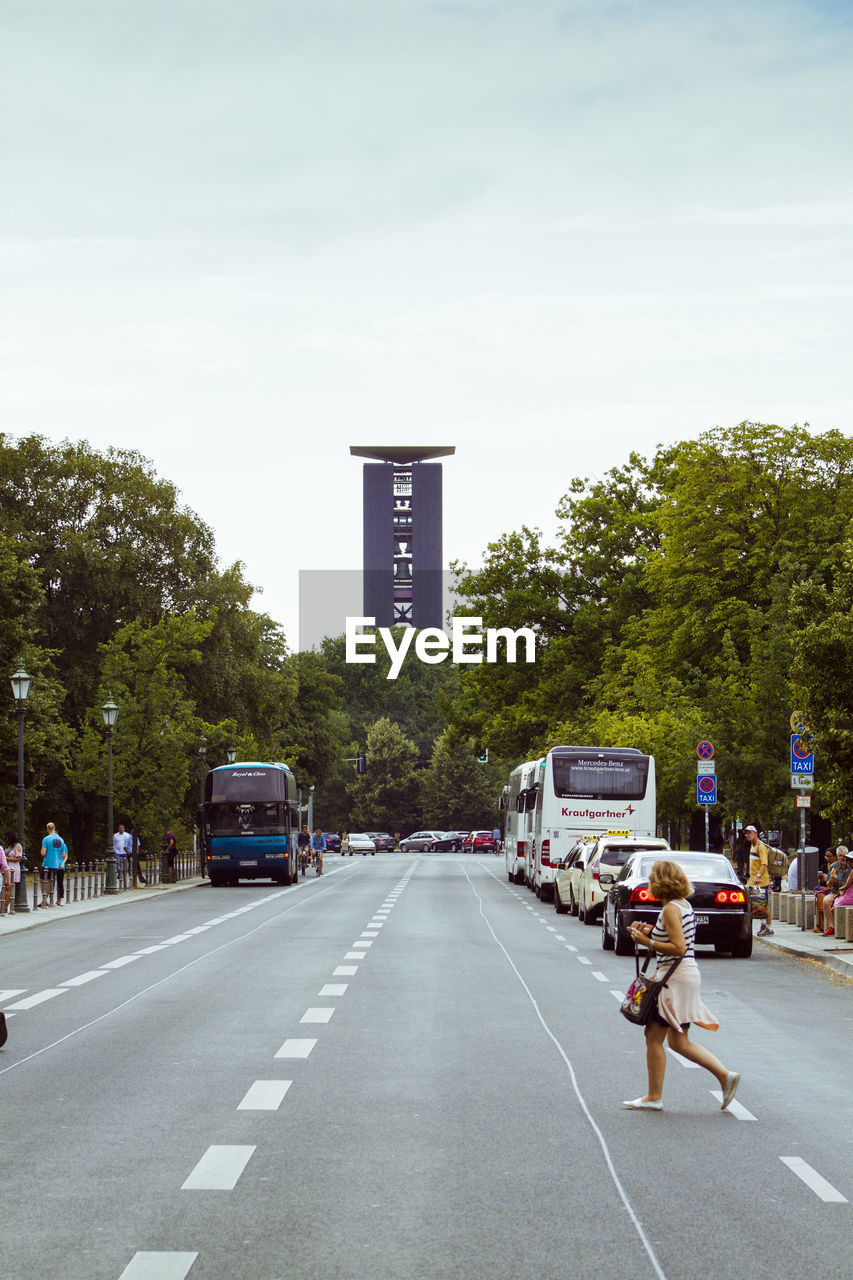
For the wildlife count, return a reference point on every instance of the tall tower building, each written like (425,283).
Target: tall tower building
(402,559)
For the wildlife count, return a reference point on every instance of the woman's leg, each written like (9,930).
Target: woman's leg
(681,1043)
(655,1060)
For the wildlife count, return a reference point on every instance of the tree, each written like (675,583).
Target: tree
(385,797)
(457,792)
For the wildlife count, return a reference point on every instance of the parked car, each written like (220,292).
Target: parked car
(333,842)
(480,842)
(382,840)
(357,842)
(720,902)
(609,853)
(567,882)
(421,841)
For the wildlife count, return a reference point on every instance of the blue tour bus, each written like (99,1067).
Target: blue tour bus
(249,822)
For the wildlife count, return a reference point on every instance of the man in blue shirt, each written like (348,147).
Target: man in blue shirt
(54,855)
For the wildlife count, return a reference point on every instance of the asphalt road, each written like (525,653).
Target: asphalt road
(406,1069)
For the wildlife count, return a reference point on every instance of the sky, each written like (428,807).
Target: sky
(238,236)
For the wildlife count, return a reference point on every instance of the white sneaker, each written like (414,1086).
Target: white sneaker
(640,1104)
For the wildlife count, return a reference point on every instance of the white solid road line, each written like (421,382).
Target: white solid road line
(84,977)
(265,1095)
(825,1190)
(734,1108)
(158,1266)
(296,1048)
(219,1169)
(39,998)
(317,1015)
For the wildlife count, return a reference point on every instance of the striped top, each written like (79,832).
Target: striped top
(688,925)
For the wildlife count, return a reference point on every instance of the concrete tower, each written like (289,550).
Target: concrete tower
(403,569)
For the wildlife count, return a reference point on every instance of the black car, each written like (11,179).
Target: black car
(720,902)
(333,842)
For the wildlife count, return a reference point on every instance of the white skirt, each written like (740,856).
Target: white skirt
(680,1000)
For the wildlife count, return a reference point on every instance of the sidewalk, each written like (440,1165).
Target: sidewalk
(32,919)
(790,939)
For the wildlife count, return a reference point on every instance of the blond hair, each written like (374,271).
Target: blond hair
(668,882)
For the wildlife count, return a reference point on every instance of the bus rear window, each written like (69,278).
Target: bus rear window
(590,778)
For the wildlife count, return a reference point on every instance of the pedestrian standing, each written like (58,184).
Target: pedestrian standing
(171,853)
(5,883)
(122,844)
(136,854)
(54,855)
(680,1001)
(14,857)
(759,880)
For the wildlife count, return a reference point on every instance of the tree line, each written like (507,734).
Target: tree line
(705,592)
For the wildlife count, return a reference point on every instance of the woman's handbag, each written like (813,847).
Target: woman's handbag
(641,998)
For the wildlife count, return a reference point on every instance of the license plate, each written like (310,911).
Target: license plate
(246,863)
(702,920)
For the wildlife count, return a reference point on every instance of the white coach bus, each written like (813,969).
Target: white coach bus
(582,791)
(518,803)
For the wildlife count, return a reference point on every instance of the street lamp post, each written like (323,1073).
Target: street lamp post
(202,753)
(110,713)
(230,754)
(20,688)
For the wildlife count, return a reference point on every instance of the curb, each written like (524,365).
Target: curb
(32,919)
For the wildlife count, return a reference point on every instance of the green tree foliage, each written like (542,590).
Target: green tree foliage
(457,792)
(385,797)
(664,610)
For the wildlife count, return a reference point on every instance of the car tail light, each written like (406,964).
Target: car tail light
(733,896)
(546,853)
(519,849)
(643,894)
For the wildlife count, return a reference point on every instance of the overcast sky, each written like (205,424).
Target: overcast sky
(240,235)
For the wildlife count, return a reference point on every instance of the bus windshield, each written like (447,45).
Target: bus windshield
(600,777)
(249,785)
(245,819)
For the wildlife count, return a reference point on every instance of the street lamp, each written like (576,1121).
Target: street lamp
(230,754)
(202,753)
(20,688)
(110,713)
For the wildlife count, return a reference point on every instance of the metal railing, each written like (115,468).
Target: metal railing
(84,880)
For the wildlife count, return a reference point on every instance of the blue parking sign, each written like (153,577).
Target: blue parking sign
(706,788)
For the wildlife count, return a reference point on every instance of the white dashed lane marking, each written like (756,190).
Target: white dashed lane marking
(219,1169)
(84,977)
(11,993)
(345,971)
(819,1185)
(354,955)
(602,977)
(333,989)
(265,1095)
(120,963)
(734,1108)
(30,1002)
(584,960)
(296,1048)
(317,1015)
(147,1265)
(685,1062)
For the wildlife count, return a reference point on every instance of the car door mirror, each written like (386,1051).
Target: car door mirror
(606,879)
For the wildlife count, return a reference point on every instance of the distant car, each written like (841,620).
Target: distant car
(382,840)
(720,903)
(421,841)
(357,842)
(456,839)
(480,842)
(333,842)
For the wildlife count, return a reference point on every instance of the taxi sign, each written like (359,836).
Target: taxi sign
(706,789)
(802,758)
(626,835)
